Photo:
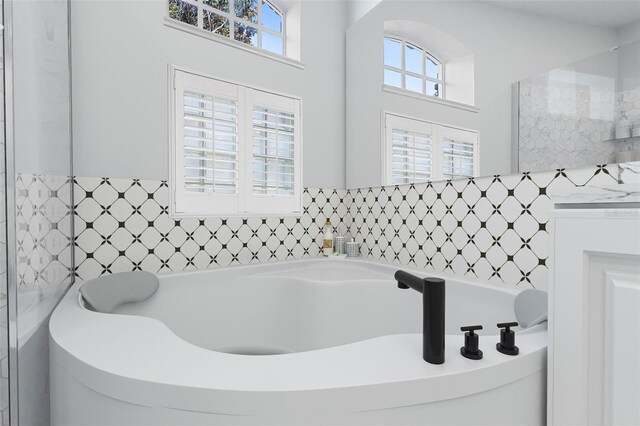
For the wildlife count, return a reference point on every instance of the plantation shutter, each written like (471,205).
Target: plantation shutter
(237,150)
(418,151)
(459,153)
(276,153)
(207,144)
(410,156)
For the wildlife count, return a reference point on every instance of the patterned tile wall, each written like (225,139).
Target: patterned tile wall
(488,228)
(43,233)
(493,229)
(565,126)
(124,225)
(628,103)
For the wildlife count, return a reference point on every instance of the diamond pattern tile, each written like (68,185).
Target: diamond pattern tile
(124,225)
(43,231)
(492,228)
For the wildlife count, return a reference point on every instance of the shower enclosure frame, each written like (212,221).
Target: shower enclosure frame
(10,202)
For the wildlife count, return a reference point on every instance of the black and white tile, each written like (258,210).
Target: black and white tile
(43,232)
(493,229)
(124,225)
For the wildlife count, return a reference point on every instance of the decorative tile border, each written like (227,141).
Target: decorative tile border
(43,231)
(491,228)
(124,225)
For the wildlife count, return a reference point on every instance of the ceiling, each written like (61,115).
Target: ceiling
(603,13)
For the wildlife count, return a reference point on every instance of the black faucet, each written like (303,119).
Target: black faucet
(433,292)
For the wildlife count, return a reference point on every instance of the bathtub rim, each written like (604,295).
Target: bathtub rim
(414,383)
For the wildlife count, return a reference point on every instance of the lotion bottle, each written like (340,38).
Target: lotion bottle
(327,240)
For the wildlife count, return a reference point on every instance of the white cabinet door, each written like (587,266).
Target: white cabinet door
(594,322)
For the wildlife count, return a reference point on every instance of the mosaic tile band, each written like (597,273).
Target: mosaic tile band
(124,225)
(493,228)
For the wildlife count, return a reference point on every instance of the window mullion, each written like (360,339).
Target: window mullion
(260,24)
(275,33)
(424,71)
(232,20)
(435,80)
(402,63)
(200,16)
(206,7)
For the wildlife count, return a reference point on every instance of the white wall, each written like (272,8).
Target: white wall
(629,32)
(507,45)
(120,54)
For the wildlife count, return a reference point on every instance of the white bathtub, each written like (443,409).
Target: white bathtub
(349,342)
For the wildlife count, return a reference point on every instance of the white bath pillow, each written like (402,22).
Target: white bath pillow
(530,307)
(106,293)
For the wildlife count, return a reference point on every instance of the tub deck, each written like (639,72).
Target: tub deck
(140,360)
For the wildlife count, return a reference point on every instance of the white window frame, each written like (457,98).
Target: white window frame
(404,72)
(232,19)
(437,131)
(245,203)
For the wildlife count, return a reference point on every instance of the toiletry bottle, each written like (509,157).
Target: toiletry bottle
(623,127)
(327,241)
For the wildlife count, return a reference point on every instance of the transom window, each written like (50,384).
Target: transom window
(418,151)
(257,23)
(412,68)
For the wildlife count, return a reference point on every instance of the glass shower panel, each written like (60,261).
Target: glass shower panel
(4,337)
(39,188)
(567,116)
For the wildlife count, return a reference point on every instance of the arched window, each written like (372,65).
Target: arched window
(258,23)
(412,68)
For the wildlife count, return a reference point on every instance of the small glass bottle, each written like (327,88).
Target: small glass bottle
(327,240)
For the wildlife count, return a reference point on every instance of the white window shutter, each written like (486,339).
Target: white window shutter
(206,145)
(236,150)
(418,151)
(409,151)
(459,150)
(276,153)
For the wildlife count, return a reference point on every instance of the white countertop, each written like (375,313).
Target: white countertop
(596,196)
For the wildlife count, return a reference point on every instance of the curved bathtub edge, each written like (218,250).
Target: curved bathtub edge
(359,397)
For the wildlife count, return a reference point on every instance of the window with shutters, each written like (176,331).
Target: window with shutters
(236,150)
(419,151)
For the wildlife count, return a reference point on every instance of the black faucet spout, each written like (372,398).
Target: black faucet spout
(433,313)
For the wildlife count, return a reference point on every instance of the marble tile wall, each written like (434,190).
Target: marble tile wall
(565,126)
(629,172)
(628,103)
